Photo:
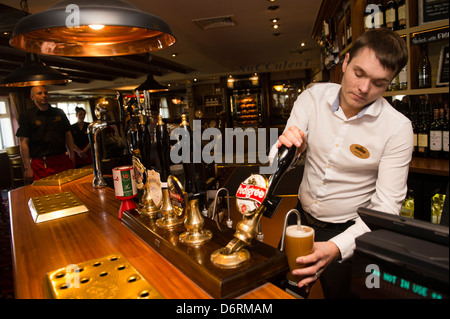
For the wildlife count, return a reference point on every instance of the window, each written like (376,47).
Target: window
(164,109)
(69,109)
(6,129)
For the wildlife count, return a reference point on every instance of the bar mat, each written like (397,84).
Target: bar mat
(63,177)
(54,206)
(108,277)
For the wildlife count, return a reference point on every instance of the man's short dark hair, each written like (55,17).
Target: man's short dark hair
(390,49)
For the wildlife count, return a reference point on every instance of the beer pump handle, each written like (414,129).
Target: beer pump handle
(286,158)
(163,148)
(189,169)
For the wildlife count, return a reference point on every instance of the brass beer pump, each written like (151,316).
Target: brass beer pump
(233,255)
(146,179)
(169,217)
(194,235)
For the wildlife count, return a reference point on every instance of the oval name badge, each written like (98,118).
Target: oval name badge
(359,151)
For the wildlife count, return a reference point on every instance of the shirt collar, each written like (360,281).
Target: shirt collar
(372,109)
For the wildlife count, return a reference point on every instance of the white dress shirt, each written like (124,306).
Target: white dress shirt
(362,161)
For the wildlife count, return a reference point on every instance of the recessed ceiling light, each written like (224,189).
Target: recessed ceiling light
(174,54)
(275,20)
(276,26)
(302,44)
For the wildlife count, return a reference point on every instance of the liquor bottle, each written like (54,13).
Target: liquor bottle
(379,15)
(423,134)
(424,69)
(391,15)
(435,135)
(403,79)
(401,14)
(445,135)
(407,209)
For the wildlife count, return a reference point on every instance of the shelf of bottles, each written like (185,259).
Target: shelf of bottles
(424,41)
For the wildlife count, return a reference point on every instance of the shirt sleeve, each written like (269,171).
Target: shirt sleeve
(391,185)
(24,126)
(65,121)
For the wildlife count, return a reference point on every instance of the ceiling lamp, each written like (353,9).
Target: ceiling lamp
(91,28)
(32,73)
(151,85)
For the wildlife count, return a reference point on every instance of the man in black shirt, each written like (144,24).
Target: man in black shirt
(45,137)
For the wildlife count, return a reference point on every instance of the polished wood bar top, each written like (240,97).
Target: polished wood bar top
(41,248)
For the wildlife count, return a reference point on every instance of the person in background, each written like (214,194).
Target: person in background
(45,137)
(82,146)
(358,153)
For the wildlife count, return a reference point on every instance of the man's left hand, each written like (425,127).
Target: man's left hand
(323,254)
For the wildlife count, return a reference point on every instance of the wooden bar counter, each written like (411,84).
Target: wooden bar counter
(44,247)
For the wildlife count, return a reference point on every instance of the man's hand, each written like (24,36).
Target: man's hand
(323,254)
(293,136)
(28,174)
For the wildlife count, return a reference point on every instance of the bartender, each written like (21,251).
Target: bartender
(358,153)
(45,137)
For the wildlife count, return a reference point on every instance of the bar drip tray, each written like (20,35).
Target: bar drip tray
(108,277)
(266,263)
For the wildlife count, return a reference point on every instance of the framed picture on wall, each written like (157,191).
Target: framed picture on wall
(442,76)
(432,10)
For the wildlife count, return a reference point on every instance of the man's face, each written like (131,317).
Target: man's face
(364,81)
(39,95)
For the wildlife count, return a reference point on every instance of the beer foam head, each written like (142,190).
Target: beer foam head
(293,231)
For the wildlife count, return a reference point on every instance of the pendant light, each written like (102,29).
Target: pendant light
(151,85)
(33,73)
(91,28)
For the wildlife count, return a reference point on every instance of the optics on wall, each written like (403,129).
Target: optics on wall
(91,28)
(33,73)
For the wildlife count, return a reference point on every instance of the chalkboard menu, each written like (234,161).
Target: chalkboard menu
(432,10)
(442,78)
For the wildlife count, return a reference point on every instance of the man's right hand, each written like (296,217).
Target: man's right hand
(293,136)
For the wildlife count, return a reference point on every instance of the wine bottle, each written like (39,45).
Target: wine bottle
(415,125)
(379,15)
(445,135)
(349,27)
(424,69)
(423,134)
(369,14)
(401,14)
(435,135)
(391,15)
